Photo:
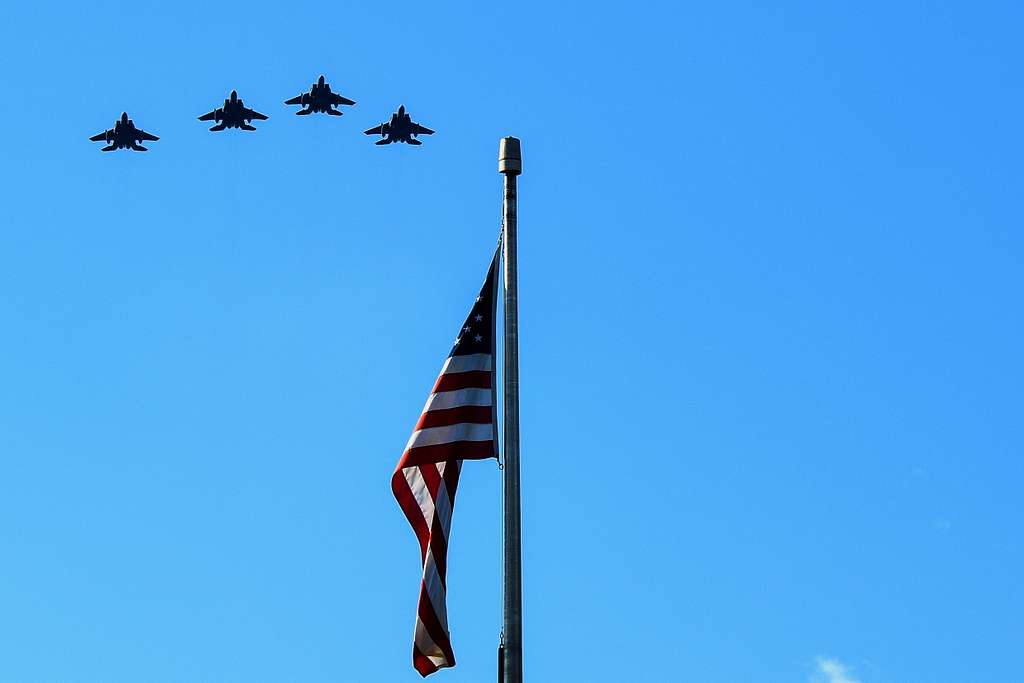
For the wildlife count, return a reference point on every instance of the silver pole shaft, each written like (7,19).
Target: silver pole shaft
(510,164)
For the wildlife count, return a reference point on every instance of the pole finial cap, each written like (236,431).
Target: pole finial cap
(510,156)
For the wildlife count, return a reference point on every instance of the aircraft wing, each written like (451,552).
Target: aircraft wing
(382,129)
(253,114)
(338,99)
(143,135)
(102,137)
(210,116)
(295,100)
(421,130)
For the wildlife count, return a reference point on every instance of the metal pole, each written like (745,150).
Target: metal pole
(510,163)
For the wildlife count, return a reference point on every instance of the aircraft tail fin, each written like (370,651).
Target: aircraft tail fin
(304,112)
(218,127)
(334,112)
(383,141)
(108,148)
(414,141)
(246,126)
(140,148)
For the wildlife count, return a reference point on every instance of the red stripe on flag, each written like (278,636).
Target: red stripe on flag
(451,479)
(477,379)
(457,450)
(451,416)
(432,477)
(413,513)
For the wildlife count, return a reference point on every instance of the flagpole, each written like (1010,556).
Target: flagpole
(510,164)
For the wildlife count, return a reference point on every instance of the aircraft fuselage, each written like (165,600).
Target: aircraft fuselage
(125,135)
(319,99)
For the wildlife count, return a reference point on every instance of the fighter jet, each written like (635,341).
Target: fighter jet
(124,135)
(400,128)
(234,114)
(319,99)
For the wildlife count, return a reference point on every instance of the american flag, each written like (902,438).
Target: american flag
(459,422)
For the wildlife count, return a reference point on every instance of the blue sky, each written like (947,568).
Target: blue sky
(771,332)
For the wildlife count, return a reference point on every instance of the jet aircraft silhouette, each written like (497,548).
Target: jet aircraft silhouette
(124,135)
(400,128)
(319,99)
(234,114)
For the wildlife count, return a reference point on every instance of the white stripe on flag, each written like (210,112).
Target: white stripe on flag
(457,399)
(464,431)
(475,362)
(418,487)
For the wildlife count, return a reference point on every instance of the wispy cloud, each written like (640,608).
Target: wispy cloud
(831,670)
